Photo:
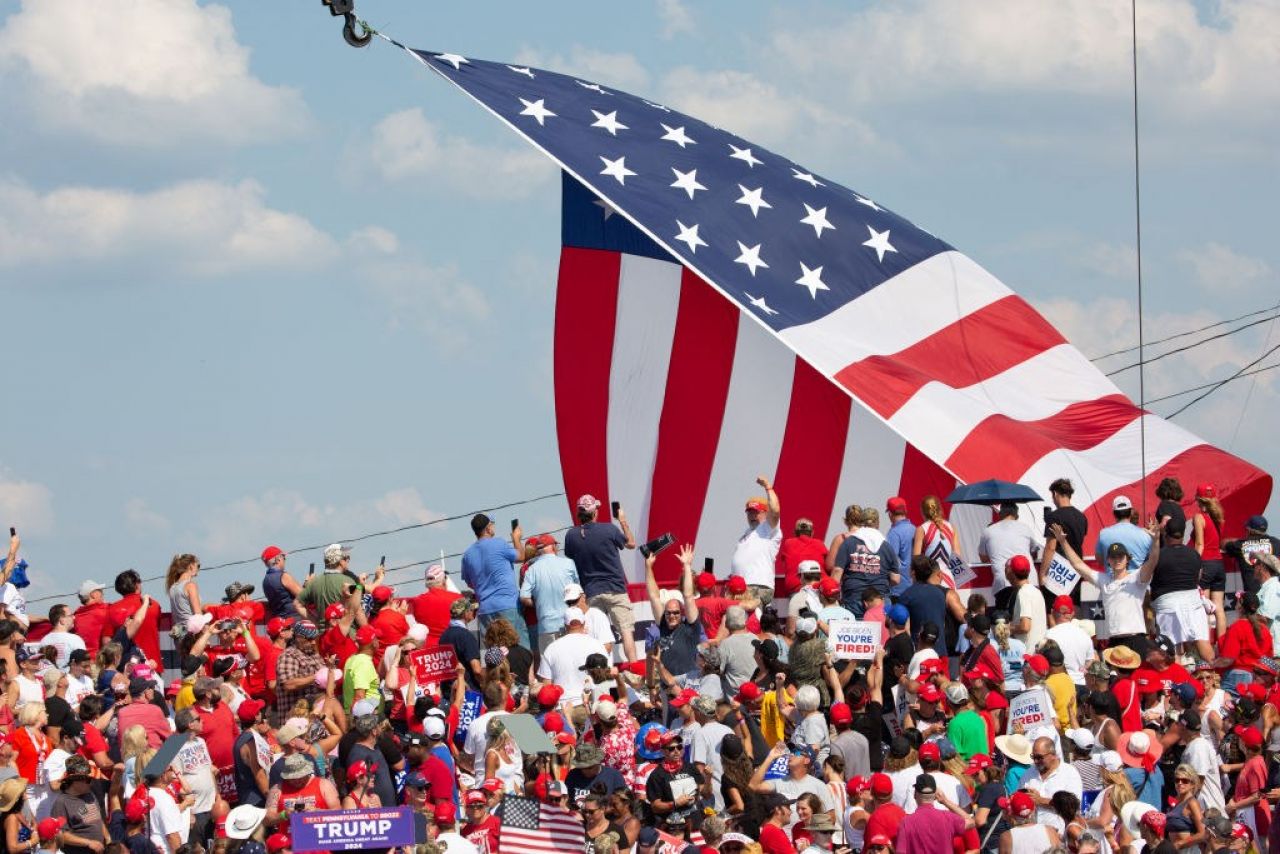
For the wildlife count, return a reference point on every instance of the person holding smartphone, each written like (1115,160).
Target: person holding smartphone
(595,548)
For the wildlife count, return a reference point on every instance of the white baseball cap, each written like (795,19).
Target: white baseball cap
(574,615)
(88,587)
(334,552)
(810,567)
(1082,738)
(1121,502)
(572,592)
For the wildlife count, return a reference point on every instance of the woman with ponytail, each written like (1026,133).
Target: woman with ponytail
(1246,641)
(936,538)
(1206,531)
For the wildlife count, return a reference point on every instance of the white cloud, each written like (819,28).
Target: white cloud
(143,521)
(374,239)
(145,72)
(406,146)
(25,505)
(1221,268)
(204,227)
(436,299)
(240,527)
(1117,261)
(622,70)
(675,17)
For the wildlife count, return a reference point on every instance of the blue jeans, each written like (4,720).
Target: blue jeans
(512,616)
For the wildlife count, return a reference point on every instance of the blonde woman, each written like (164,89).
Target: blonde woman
(1191,835)
(936,538)
(1011,651)
(852,522)
(133,749)
(1206,535)
(503,760)
(1117,791)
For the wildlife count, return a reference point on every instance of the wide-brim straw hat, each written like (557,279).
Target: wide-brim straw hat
(10,791)
(1017,747)
(1122,658)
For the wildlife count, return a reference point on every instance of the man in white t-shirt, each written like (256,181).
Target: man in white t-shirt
(62,638)
(169,825)
(79,682)
(1076,646)
(1029,619)
(705,753)
(757,551)
(598,625)
(1004,539)
(563,659)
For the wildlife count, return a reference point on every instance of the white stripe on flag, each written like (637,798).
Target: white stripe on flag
(751,432)
(648,301)
(872,468)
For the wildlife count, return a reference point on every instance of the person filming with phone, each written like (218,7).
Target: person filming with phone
(595,547)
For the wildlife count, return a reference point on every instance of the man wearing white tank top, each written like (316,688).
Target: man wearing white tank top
(1025,836)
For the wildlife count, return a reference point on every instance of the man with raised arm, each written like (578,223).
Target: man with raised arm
(756,554)
(594,547)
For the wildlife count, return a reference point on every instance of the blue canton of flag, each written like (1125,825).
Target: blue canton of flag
(787,245)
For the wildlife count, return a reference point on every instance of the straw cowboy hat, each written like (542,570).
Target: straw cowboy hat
(1017,747)
(1122,658)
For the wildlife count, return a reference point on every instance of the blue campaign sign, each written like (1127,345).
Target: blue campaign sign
(351,830)
(778,769)
(472,703)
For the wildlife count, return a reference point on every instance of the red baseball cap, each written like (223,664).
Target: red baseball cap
(366,635)
(491,785)
(857,785)
(929,693)
(748,692)
(840,713)
(50,827)
(278,842)
(933,665)
(684,698)
(335,611)
(276,625)
(1038,664)
(553,722)
(137,809)
(929,750)
(1064,604)
(737,584)
(249,710)
(1206,490)
(1020,565)
(1020,804)
(270,553)
(896,504)
(881,784)
(382,593)
(757,505)
(705,581)
(1147,683)
(1250,737)
(566,738)
(879,839)
(476,796)
(359,768)
(653,739)
(828,586)
(549,695)
(980,672)
(977,762)
(445,813)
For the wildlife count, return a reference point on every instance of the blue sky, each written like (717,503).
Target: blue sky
(262,287)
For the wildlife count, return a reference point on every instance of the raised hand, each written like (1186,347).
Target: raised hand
(686,554)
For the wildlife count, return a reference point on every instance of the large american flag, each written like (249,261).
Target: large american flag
(531,827)
(720,308)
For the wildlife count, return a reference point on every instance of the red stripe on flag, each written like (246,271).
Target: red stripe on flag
(979,346)
(1004,448)
(701,365)
(813,446)
(586,310)
(1249,492)
(921,476)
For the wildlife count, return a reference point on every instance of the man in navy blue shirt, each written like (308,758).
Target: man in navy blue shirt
(488,568)
(594,547)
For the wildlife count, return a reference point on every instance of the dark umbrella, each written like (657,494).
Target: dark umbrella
(992,492)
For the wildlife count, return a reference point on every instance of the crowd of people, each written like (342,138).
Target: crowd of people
(1015,722)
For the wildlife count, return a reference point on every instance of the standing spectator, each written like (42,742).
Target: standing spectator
(737,652)
(864,559)
(195,767)
(1049,775)
(930,830)
(360,674)
(252,755)
(1076,645)
(796,550)
(1241,550)
(333,586)
(849,744)
(62,637)
(90,619)
(931,601)
(431,608)
(488,568)
(966,729)
(1126,532)
(1267,569)
(936,538)
(1029,619)
(184,592)
(594,548)
(147,637)
(543,587)
(562,662)
(679,630)
(388,620)
(1175,594)
(901,537)
(296,669)
(218,729)
(280,588)
(143,711)
(1206,538)
(1001,541)
(756,555)
(1070,519)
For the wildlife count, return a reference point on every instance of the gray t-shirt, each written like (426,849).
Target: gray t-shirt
(706,750)
(812,730)
(853,748)
(737,661)
(791,788)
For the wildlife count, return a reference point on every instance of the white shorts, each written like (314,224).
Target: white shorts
(1181,616)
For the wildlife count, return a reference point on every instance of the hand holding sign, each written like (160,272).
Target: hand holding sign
(1061,577)
(433,664)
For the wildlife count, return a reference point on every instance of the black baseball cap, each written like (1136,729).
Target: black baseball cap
(1117,550)
(595,660)
(479,522)
(925,784)
(773,800)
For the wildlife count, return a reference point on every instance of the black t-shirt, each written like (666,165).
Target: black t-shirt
(594,549)
(678,647)
(519,660)
(612,828)
(870,722)
(466,647)
(1236,548)
(1073,522)
(663,785)
(986,797)
(382,784)
(579,786)
(1172,509)
(927,604)
(1178,568)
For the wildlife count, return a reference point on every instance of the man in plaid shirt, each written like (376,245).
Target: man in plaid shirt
(296,669)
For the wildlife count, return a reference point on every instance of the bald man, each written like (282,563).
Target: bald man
(1048,775)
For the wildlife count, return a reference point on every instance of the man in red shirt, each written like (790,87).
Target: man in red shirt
(141,711)
(91,617)
(280,631)
(219,729)
(1161,667)
(431,608)
(336,640)
(235,637)
(482,829)
(886,816)
(129,586)
(389,622)
(802,546)
(773,839)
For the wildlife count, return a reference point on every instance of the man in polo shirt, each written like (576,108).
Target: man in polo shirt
(594,548)
(1049,776)
(543,587)
(755,555)
(900,538)
(934,825)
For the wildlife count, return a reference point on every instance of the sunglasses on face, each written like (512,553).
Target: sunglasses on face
(590,812)
(1180,780)
(676,746)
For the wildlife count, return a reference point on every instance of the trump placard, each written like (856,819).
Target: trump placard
(433,664)
(853,639)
